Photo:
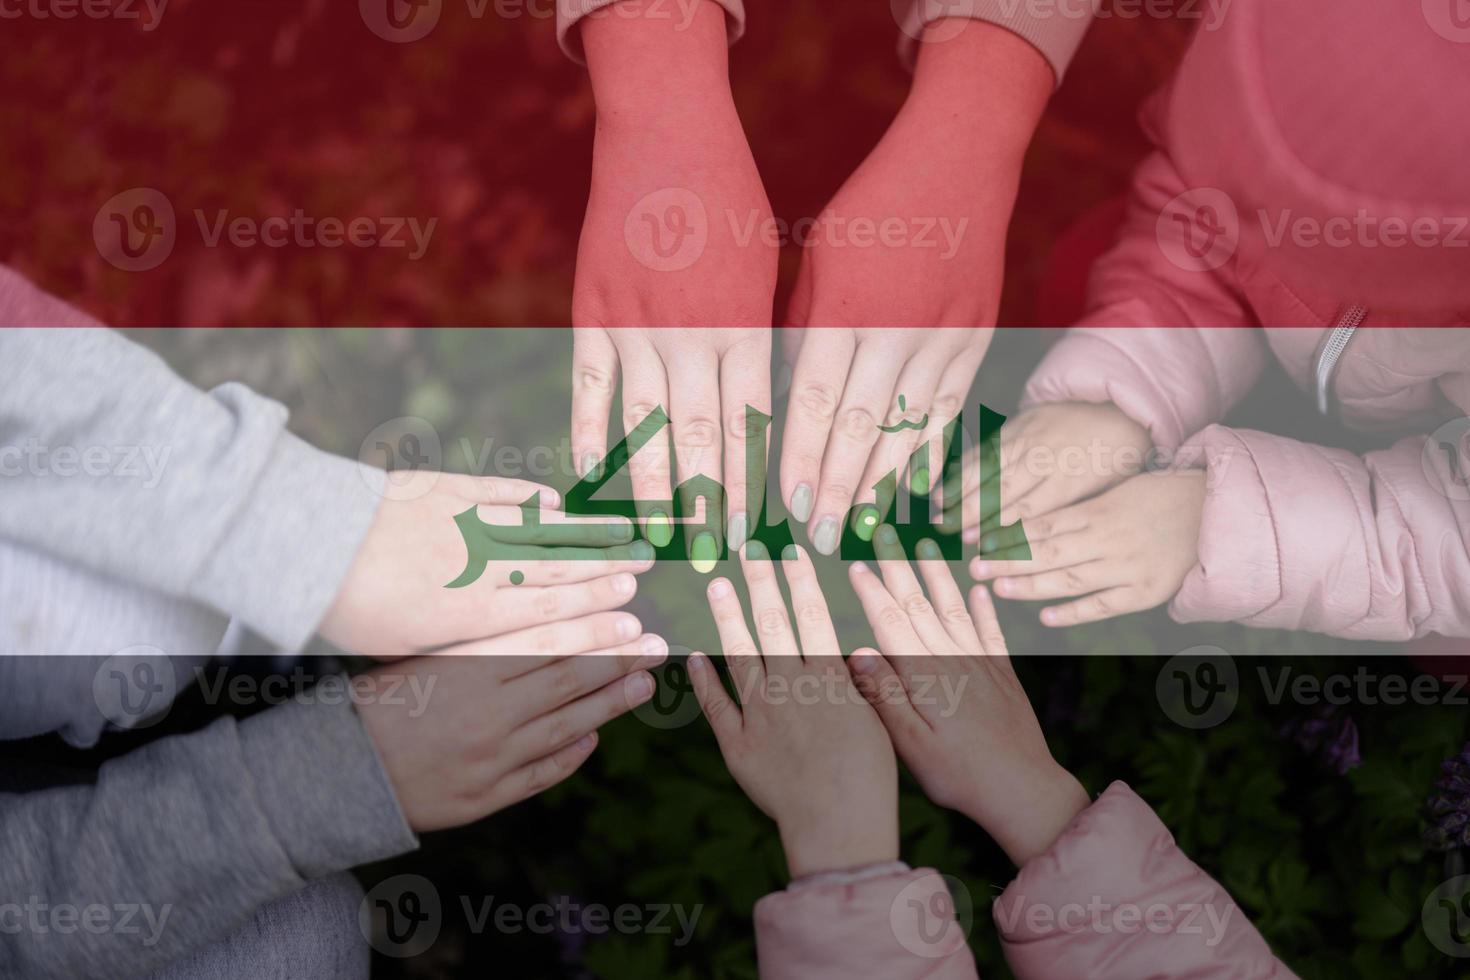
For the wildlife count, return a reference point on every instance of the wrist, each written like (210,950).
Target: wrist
(812,848)
(645,65)
(1035,812)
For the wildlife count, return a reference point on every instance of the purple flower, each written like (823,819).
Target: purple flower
(1331,737)
(1449,807)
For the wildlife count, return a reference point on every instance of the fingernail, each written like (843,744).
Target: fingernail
(587,464)
(825,539)
(970,535)
(586,743)
(865,522)
(735,533)
(660,529)
(1049,617)
(639,688)
(919,481)
(628,627)
(887,536)
(755,551)
(791,553)
(990,542)
(863,663)
(697,662)
(704,553)
(620,533)
(625,584)
(980,569)
(861,567)
(655,651)
(719,588)
(929,551)
(801,502)
(641,551)
(1003,585)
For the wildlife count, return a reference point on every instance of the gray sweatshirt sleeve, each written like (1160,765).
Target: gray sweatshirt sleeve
(110,460)
(180,842)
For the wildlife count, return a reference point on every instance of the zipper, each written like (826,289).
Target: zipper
(1337,342)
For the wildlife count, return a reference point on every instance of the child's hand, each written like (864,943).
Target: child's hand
(1050,456)
(393,601)
(1126,551)
(948,695)
(801,741)
(497,721)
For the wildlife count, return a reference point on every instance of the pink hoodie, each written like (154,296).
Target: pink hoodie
(1311,175)
(1113,899)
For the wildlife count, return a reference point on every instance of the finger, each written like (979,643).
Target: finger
(1047,555)
(566,724)
(865,404)
(501,491)
(745,380)
(987,624)
(741,654)
(882,687)
(552,685)
(694,395)
(891,626)
(897,453)
(945,595)
(816,390)
(1094,608)
(1033,531)
(542,774)
(506,527)
(718,707)
(567,566)
(522,607)
(1062,584)
(813,619)
(594,378)
(527,649)
(903,586)
(946,418)
(646,393)
(768,610)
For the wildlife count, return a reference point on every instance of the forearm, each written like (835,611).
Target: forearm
(647,68)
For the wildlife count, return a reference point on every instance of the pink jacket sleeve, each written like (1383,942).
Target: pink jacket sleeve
(1115,899)
(1304,537)
(899,926)
(1135,347)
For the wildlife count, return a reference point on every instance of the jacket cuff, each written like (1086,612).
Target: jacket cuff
(285,555)
(879,926)
(569,12)
(1086,367)
(1056,33)
(322,787)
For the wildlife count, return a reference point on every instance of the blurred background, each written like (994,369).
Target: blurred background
(484,125)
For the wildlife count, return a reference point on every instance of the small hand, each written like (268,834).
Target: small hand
(800,740)
(1125,551)
(507,717)
(393,601)
(949,697)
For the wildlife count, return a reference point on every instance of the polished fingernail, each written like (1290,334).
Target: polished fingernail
(865,522)
(625,585)
(628,627)
(719,588)
(929,551)
(704,553)
(801,503)
(660,529)
(863,663)
(735,533)
(639,688)
(825,538)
